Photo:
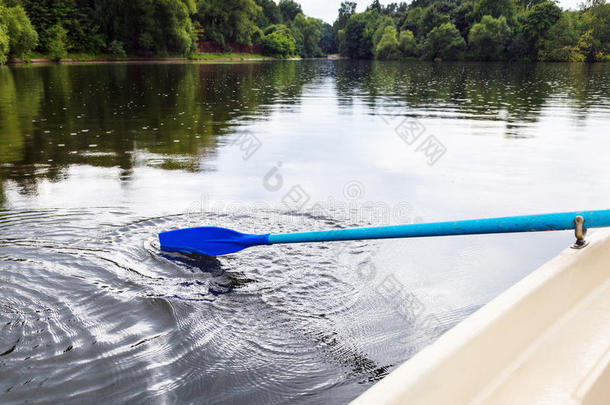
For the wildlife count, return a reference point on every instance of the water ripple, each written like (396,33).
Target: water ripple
(128,322)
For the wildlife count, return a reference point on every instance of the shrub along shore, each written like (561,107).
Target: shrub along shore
(502,30)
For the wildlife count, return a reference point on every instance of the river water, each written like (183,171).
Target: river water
(97,159)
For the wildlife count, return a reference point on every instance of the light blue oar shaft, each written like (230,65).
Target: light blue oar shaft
(525,223)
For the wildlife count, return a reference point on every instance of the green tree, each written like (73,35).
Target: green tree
(22,36)
(78,17)
(589,46)
(311,31)
(413,19)
(137,24)
(375,6)
(595,40)
(464,18)
(271,28)
(346,10)
(4,44)
(387,48)
(527,4)
(229,21)
(117,49)
(299,38)
(488,38)
(382,23)
(85,30)
(289,10)
(495,8)
(400,14)
(537,22)
(57,37)
(177,34)
(328,40)
(278,41)
(431,18)
(269,13)
(354,42)
(444,42)
(407,43)
(46,13)
(560,44)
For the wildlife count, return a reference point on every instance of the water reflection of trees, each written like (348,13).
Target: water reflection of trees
(514,92)
(166,115)
(174,116)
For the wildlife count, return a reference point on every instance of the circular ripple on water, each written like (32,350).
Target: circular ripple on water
(91,308)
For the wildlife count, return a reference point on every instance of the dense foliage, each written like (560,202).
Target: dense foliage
(17,35)
(159,27)
(227,21)
(475,29)
(278,40)
(428,29)
(488,38)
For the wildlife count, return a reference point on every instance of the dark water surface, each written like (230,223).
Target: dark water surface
(97,159)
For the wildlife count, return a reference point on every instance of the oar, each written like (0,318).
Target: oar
(215,241)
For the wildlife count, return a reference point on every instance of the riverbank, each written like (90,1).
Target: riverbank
(102,58)
(203,57)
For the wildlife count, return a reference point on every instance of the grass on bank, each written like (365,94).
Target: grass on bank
(229,55)
(74,56)
(110,57)
(84,57)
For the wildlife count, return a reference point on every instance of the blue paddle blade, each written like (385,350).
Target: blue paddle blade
(209,240)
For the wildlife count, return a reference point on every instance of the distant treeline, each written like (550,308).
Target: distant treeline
(476,29)
(427,29)
(157,27)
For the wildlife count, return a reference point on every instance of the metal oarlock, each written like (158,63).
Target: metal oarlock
(579,231)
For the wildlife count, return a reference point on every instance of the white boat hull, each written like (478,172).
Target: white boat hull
(546,340)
